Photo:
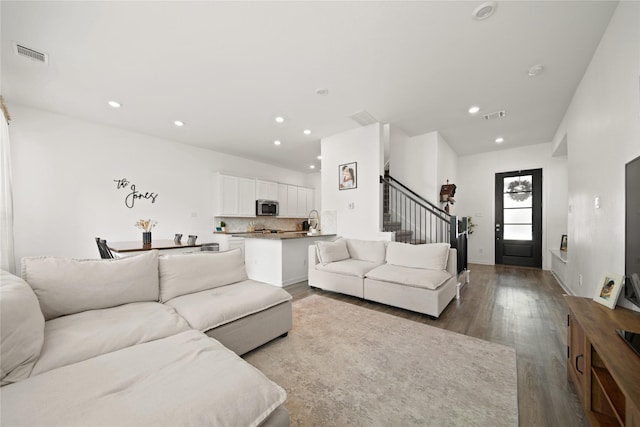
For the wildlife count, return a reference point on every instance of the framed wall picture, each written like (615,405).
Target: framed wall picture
(563,243)
(608,290)
(348,176)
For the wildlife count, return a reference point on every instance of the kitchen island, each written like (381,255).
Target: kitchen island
(279,259)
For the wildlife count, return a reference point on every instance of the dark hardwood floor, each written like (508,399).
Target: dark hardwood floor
(515,306)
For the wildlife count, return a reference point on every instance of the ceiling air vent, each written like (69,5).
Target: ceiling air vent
(496,115)
(363,118)
(32,54)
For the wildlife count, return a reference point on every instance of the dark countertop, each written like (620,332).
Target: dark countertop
(280,236)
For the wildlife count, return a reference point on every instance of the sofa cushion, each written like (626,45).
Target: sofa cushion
(367,250)
(332,251)
(415,277)
(349,267)
(183,274)
(431,255)
(67,286)
(187,379)
(21,329)
(77,337)
(215,307)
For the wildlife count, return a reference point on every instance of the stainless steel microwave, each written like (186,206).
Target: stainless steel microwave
(266,208)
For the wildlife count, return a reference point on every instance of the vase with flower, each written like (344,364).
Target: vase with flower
(146,225)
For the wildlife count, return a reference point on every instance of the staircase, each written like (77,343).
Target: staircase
(415,220)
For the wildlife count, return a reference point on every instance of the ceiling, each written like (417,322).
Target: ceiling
(227,69)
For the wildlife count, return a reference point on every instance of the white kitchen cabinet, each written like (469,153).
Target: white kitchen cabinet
(301,210)
(311,201)
(234,196)
(266,190)
(292,201)
(283,199)
(246,197)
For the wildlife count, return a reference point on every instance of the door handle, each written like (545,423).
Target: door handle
(578,369)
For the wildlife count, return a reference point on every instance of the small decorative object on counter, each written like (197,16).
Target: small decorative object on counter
(192,240)
(146,225)
(178,238)
(223,226)
(251,227)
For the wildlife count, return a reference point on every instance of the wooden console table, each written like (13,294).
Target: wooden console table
(603,368)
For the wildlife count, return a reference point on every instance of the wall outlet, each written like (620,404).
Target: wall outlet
(481,250)
(580,279)
(352,205)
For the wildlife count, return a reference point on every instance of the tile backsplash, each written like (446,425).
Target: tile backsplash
(240,225)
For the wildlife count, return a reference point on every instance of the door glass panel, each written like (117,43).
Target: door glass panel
(518,184)
(518,216)
(517,200)
(518,232)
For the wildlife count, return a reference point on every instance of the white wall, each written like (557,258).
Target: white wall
(602,128)
(64,193)
(475,196)
(447,170)
(423,163)
(365,146)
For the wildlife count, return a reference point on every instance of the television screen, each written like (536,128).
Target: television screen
(632,233)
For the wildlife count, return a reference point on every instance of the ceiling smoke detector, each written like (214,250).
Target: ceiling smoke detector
(535,70)
(27,52)
(484,11)
(496,115)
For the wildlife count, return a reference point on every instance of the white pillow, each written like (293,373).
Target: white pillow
(67,286)
(332,251)
(432,256)
(22,332)
(367,250)
(183,274)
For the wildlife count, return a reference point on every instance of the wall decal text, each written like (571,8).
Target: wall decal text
(134,195)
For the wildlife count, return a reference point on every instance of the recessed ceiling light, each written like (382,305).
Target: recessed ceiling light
(276,142)
(474,109)
(322,91)
(319,157)
(312,166)
(485,10)
(280,119)
(535,70)
(307,132)
(499,140)
(178,123)
(114,104)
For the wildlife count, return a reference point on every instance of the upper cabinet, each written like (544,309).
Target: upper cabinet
(266,190)
(234,196)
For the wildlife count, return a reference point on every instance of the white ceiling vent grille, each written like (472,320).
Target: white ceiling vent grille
(496,115)
(363,118)
(32,54)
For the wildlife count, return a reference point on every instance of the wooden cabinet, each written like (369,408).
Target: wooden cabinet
(234,196)
(603,368)
(266,190)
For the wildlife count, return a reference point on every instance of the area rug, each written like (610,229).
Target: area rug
(344,365)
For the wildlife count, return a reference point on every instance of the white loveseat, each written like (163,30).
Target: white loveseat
(421,278)
(128,342)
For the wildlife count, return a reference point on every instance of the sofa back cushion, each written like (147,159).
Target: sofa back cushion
(332,251)
(432,256)
(367,250)
(67,286)
(22,331)
(183,274)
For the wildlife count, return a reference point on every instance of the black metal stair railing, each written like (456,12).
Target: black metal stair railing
(415,220)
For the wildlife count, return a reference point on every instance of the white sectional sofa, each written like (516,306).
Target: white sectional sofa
(127,342)
(421,278)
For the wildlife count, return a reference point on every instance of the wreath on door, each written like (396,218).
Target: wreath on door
(519,190)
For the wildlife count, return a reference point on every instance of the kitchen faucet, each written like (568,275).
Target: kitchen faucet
(313,221)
